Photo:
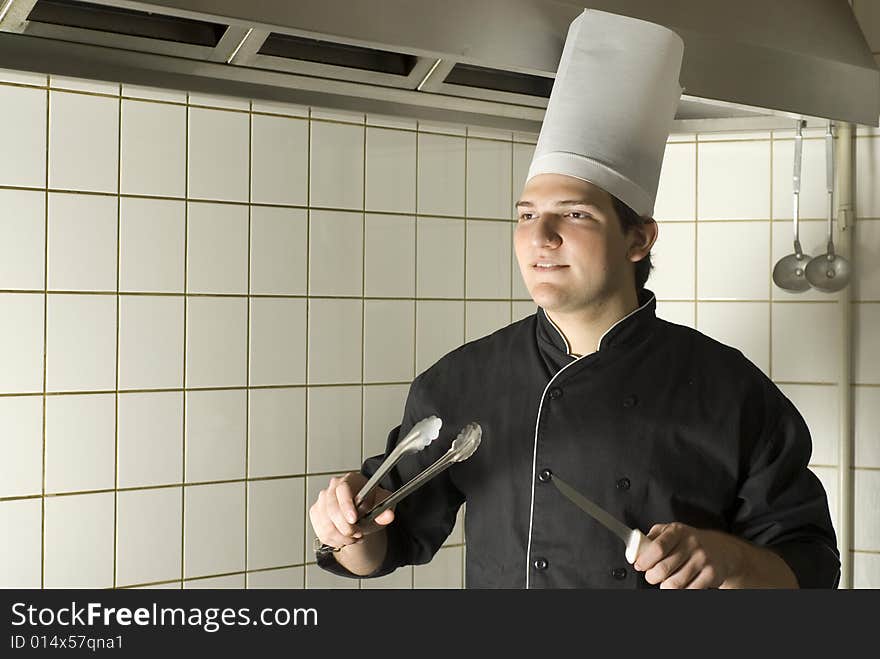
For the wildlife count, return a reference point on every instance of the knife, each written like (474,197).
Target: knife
(634,539)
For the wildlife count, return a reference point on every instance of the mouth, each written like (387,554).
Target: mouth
(547,267)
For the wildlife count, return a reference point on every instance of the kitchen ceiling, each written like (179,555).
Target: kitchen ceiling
(482,62)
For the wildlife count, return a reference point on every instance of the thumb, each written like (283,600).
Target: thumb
(385,518)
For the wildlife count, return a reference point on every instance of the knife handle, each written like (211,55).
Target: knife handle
(637,542)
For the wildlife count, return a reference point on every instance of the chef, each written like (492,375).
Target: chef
(668,430)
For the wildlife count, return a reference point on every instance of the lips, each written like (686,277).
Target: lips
(554,267)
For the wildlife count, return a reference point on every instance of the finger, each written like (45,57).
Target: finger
(667,567)
(707,578)
(682,577)
(334,512)
(385,518)
(345,499)
(324,529)
(656,530)
(660,547)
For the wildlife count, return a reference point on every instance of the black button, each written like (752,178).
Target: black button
(623,484)
(630,401)
(619,573)
(545,475)
(555,393)
(541,564)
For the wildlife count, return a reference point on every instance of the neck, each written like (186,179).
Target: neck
(584,327)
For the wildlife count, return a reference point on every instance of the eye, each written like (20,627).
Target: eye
(525,216)
(580,215)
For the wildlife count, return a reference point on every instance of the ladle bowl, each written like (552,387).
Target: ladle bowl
(828,272)
(789,273)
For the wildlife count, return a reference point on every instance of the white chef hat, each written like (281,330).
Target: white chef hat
(612,105)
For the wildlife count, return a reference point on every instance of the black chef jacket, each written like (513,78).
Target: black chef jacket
(660,424)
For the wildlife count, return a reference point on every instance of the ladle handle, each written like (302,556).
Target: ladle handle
(829,178)
(796,178)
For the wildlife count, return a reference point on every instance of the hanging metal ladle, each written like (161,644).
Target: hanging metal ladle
(789,272)
(828,272)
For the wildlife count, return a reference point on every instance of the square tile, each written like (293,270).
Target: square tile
(866,570)
(213,529)
(23,77)
(334,436)
(80,442)
(23,157)
(520,310)
(391,170)
(22,239)
(277,432)
(726,169)
(522,160)
(232,581)
(82,242)
(216,342)
(441,170)
(676,191)
(278,341)
(275,522)
(337,165)
(79,541)
(216,435)
(335,341)
(440,257)
(20,560)
(219,101)
(867,159)
(168,585)
(319,579)
(674,260)
(150,444)
(804,342)
(528,138)
(333,114)
(866,275)
(285,578)
(84,85)
(21,342)
(519,290)
(867,502)
(488,260)
(741,325)
(442,127)
(389,340)
(150,341)
(680,313)
(734,136)
(820,408)
(153,93)
(81,342)
(733,260)
(389,256)
(389,121)
(279,160)
(456,536)
(218,155)
(336,253)
(867,426)
(149,526)
(489,166)
(279,250)
(814,241)
(151,245)
(444,570)
(83,142)
(866,320)
(217,246)
(153,149)
(276,107)
(439,329)
(314,484)
(400,579)
(483,318)
(489,133)
(813,198)
(383,411)
(21,451)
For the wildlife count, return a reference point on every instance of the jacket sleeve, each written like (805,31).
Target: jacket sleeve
(781,504)
(424,519)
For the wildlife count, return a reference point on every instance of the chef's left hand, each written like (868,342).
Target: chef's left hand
(681,556)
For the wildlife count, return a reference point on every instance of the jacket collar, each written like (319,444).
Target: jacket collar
(629,328)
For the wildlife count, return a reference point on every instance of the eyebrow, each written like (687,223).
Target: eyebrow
(564,202)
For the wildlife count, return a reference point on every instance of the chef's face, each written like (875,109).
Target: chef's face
(571,249)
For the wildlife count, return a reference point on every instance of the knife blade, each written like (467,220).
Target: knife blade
(634,539)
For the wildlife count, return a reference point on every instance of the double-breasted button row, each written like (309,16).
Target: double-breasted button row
(618,573)
(541,564)
(545,475)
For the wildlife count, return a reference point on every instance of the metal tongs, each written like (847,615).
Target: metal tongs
(463,447)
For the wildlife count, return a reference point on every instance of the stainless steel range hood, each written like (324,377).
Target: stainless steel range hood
(482,62)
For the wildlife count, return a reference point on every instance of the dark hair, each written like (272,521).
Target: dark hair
(629,219)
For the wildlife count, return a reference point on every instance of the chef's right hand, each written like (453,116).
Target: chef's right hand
(333,514)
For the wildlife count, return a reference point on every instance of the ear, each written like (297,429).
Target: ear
(641,239)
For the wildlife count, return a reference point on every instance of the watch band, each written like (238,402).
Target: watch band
(322,549)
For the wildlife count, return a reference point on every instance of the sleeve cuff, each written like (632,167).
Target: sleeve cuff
(814,563)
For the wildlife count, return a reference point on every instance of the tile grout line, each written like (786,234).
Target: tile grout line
(770,281)
(247,368)
(415,312)
(466,209)
(305,485)
(45,342)
(118,360)
(186,306)
(363,286)
(696,223)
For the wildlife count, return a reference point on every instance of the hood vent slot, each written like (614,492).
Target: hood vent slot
(468,75)
(117,20)
(337,54)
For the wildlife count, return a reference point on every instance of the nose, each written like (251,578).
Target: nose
(544,233)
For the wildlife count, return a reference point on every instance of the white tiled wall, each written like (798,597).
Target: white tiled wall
(216,285)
